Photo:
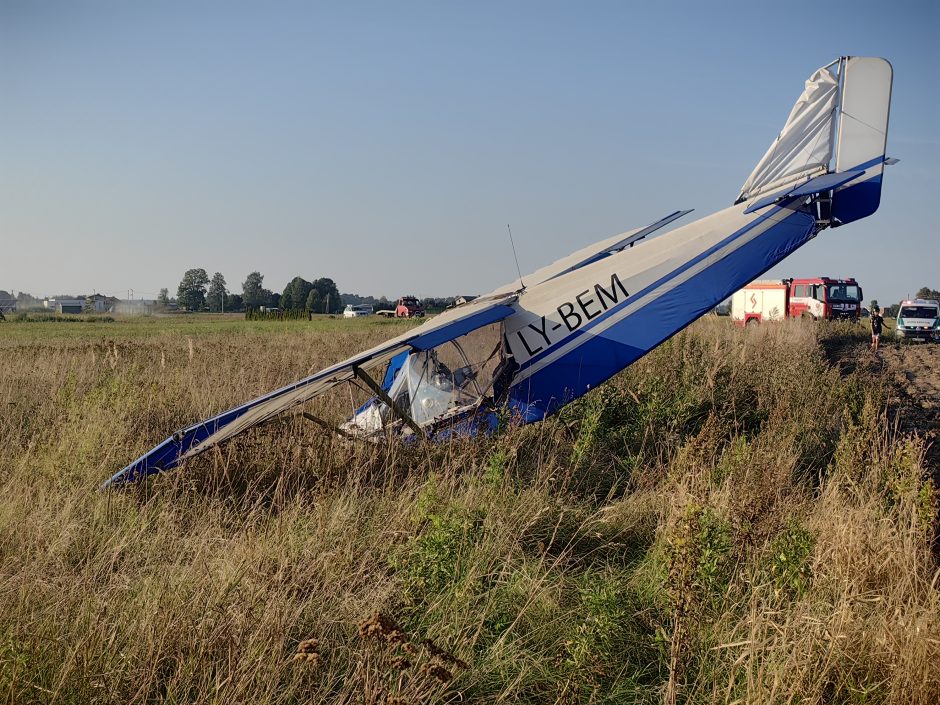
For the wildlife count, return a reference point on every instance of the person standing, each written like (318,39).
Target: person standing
(876,323)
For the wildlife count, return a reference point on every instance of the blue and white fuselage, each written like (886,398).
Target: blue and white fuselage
(581,320)
(571,333)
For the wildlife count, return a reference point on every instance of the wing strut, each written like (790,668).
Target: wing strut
(392,404)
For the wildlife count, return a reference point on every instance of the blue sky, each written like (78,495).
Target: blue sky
(387,145)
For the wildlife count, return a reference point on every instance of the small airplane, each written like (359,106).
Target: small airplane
(537,343)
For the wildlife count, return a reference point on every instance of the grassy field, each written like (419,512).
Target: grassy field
(730,519)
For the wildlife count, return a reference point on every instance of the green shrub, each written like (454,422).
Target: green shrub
(790,561)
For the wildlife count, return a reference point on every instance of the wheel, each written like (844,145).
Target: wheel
(752,322)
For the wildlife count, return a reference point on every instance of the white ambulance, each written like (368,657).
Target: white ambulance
(919,319)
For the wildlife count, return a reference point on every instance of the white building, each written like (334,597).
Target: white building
(65,305)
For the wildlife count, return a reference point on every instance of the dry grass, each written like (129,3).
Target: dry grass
(728,520)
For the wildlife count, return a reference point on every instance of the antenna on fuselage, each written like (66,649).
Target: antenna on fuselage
(515,256)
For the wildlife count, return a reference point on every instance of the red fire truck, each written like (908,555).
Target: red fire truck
(775,299)
(409,307)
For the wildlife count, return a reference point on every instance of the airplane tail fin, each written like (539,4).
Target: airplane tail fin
(838,126)
(863,136)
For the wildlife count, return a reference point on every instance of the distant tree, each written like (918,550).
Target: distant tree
(253,292)
(191,293)
(300,294)
(313,301)
(330,299)
(216,296)
(272,299)
(925,292)
(163,298)
(234,302)
(26,301)
(21,299)
(359,299)
(891,311)
(433,304)
(295,294)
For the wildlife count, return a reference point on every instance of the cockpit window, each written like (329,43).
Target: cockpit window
(432,383)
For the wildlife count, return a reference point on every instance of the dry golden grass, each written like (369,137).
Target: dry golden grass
(728,520)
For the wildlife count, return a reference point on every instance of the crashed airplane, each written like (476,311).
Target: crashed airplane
(532,347)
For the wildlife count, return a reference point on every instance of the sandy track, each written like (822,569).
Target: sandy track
(913,372)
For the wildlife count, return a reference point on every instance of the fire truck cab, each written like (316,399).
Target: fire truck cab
(409,307)
(825,298)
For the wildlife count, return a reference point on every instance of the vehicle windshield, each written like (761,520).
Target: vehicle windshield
(919,312)
(843,292)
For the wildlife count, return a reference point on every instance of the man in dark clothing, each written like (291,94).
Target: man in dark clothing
(876,322)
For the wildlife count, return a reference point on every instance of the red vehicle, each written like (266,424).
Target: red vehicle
(818,298)
(409,307)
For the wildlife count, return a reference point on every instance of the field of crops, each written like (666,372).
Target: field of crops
(730,519)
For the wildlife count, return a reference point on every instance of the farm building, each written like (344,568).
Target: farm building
(7,302)
(65,305)
(135,307)
(99,303)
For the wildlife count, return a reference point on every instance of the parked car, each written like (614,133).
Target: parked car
(357,310)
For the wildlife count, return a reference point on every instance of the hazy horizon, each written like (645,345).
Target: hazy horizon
(387,147)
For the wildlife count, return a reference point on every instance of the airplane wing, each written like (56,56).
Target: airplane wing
(592,253)
(199,437)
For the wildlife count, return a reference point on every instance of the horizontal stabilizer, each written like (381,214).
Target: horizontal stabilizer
(826,182)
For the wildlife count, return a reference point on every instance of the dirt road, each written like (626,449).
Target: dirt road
(911,373)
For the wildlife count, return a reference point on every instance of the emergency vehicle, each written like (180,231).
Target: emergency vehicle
(409,307)
(919,319)
(775,299)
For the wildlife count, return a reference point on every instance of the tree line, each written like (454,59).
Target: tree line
(197,292)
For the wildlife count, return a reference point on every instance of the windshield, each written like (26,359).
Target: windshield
(433,383)
(930,312)
(843,292)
